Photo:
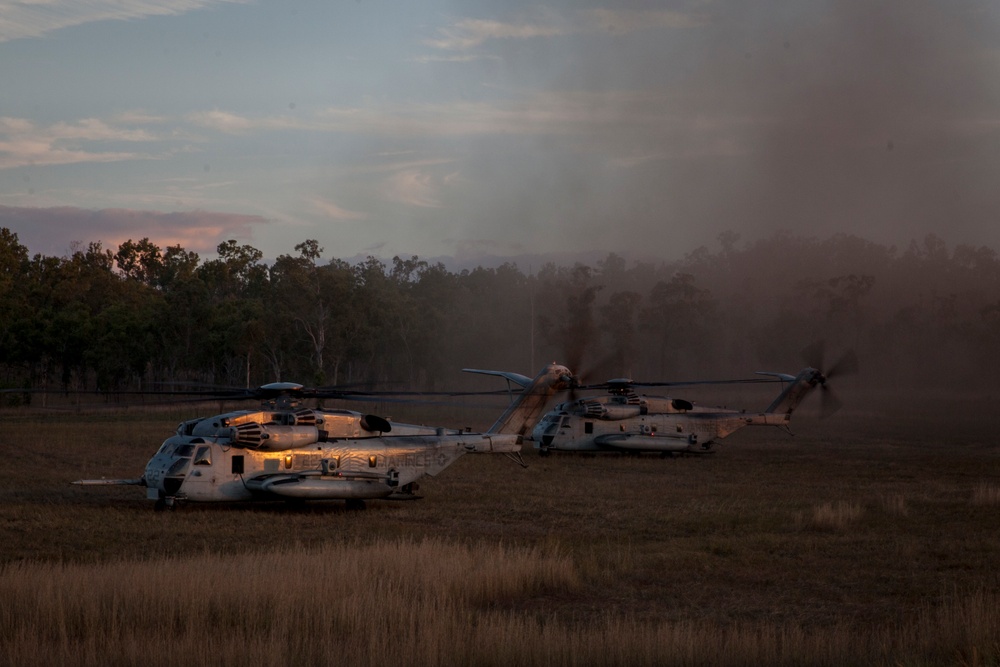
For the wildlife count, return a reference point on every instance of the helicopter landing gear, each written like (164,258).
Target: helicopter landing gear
(355,504)
(544,451)
(168,503)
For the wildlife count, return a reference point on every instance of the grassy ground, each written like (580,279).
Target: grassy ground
(870,537)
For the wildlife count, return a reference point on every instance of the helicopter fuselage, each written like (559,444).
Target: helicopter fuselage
(641,424)
(314,454)
(282,452)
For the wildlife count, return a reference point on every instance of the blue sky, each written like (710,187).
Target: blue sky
(507,128)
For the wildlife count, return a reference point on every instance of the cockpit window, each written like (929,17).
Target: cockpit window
(565,422)
(184,451)
(203,457)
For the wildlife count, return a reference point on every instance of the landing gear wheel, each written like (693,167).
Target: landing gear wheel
(544,451)
(354,504)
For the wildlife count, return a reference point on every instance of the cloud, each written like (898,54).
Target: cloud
(413,187)
(23,143)
(331,210)
(35,18)
(52,231)
(626,21)
(463,58)
(469,33)
(230,123)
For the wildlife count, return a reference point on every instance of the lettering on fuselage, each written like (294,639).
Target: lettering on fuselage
(415,460)
(308,461)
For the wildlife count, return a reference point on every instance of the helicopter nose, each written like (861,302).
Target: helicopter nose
(166,474)
(174,477)
(548,435)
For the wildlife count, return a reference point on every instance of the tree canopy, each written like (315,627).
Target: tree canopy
(142,315)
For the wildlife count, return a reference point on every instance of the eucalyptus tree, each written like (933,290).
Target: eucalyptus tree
(236,287)
(620,328)
(14,304)
(307,304)
(678,317)
(183,322)
(492,319)
(566,301)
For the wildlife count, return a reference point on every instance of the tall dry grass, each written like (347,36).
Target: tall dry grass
(986,494)
(415,603)
(871,544)
(372,604)
(831,516)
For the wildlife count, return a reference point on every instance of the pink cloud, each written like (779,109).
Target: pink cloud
(54,231)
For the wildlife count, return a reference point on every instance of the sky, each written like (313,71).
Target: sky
(502,128)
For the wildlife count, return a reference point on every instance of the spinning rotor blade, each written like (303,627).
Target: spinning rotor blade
(814,356)
(581,375)
(618,384)
(829,403)
(846,365)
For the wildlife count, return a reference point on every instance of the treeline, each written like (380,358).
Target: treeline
(142,316)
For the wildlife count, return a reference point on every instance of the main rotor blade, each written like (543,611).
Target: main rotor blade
(679,383)
(846,365)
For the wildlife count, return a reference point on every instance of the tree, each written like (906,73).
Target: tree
(139,261)
(678,318)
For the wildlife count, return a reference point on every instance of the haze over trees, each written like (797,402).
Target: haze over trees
(140,315)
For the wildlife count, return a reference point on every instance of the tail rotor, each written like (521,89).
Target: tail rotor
(846,365)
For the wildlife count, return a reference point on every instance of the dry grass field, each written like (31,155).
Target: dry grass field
(872,537)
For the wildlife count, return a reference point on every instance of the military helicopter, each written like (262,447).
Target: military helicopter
(284,451)
(624,421)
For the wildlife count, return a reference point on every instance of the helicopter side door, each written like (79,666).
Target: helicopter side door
(214,474)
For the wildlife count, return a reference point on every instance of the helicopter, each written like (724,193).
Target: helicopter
(624,421)
(284,451)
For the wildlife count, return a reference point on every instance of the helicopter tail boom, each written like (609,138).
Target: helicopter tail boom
(521,415)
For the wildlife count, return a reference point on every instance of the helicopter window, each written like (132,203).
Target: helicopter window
(588,427)
(565,422)
(238,465)
(184,451)
(203,457)
(372,461)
